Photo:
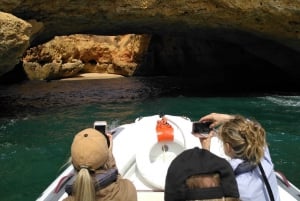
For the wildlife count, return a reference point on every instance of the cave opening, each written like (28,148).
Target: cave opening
(231,62)
(223,59)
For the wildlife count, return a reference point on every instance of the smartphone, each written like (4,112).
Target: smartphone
(201,127)
(101,126)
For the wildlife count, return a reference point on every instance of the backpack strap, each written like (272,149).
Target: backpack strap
(244,167)
(266,182)
(101,180)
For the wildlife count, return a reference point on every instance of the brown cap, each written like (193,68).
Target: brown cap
(89,149)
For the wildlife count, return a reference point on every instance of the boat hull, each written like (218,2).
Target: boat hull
(144,160)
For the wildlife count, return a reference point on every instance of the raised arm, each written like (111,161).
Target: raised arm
(216,118)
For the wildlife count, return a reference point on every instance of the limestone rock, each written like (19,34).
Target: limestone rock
(95,54)
(14,40)
(52,70)
(275,19)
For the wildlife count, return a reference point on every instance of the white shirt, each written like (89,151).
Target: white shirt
(251,185)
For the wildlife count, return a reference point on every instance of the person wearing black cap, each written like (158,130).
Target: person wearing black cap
(192,164)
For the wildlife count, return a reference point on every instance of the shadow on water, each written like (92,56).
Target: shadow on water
(33,97)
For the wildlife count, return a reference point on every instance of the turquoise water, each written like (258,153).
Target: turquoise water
(34,147)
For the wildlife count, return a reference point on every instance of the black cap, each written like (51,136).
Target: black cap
(196,162)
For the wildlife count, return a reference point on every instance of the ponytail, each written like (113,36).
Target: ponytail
(84,188)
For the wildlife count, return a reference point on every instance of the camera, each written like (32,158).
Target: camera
(201,127)
(101,126)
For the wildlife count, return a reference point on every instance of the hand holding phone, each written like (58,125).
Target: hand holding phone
(201,128)
(101,126)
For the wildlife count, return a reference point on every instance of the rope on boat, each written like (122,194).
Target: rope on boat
(62,182)
(284,179)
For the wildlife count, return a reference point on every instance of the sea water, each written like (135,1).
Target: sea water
(35,146)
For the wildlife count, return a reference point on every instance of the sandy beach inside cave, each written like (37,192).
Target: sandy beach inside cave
(92,76)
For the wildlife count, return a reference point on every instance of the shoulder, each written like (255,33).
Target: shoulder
(266,161)
(235,162)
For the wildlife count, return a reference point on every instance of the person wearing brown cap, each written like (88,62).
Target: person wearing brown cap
(198,174)
(97,175)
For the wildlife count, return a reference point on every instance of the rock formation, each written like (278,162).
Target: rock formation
(14,40)
(224,36)
(66,56)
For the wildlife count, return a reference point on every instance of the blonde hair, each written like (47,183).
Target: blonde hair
(207,181)
(84,186)
(203,181)
(247,138)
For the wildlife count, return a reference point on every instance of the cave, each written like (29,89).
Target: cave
(213,59)
(222,59)
(225,45)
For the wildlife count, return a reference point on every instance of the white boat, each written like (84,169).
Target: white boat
(143,158)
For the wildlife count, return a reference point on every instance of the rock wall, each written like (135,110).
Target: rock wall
(276,19)
(14,40)
(267,31)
